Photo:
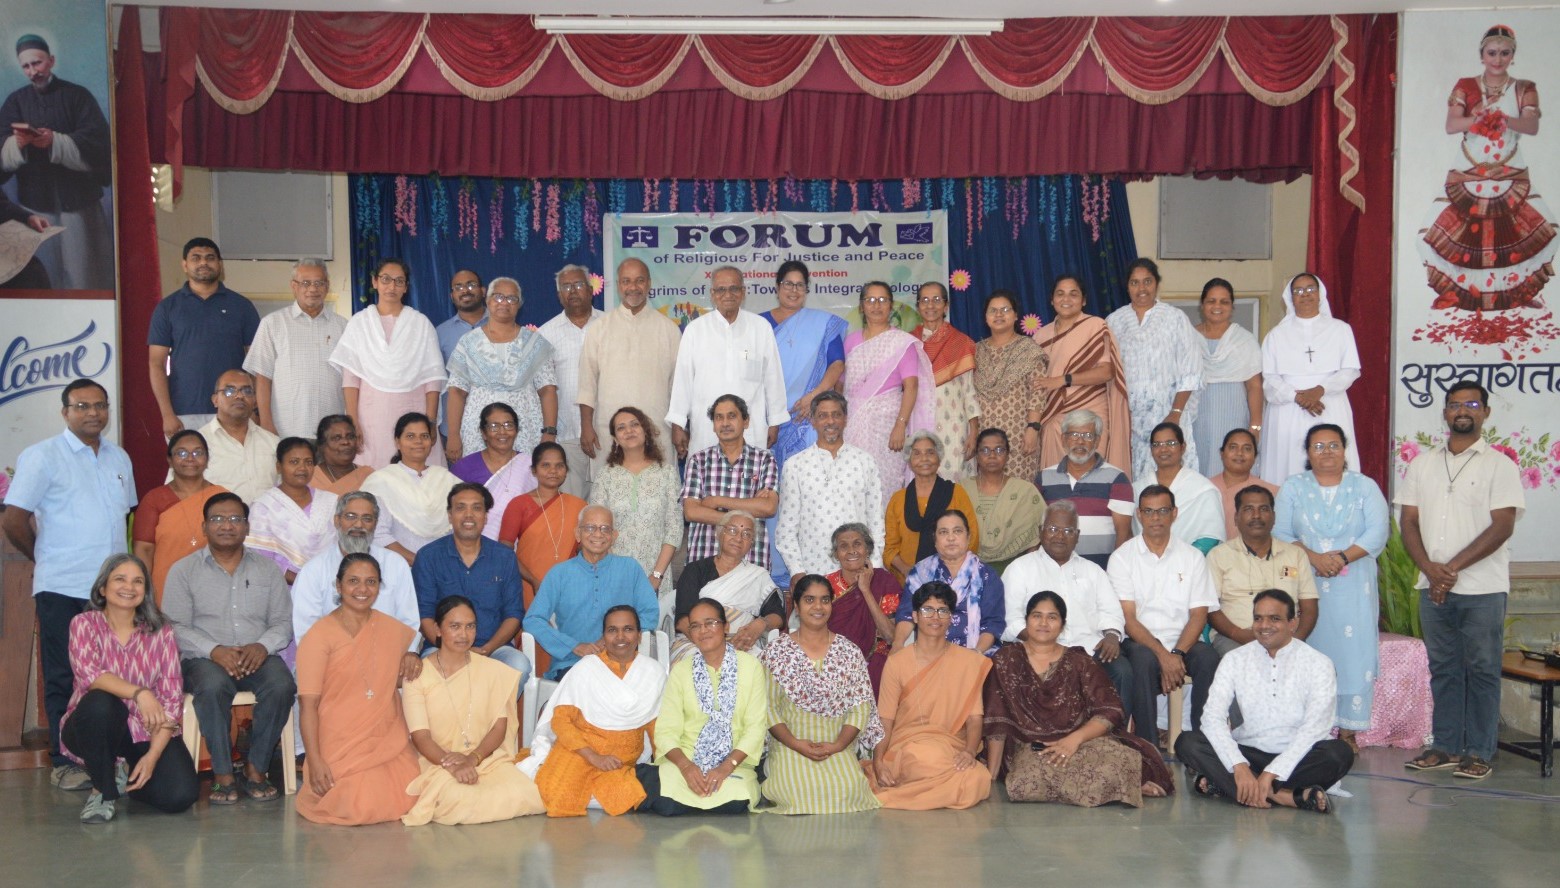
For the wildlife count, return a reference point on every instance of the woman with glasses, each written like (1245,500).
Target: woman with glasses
(709,734)
(336,452)
(1007,509)
(505,473)
(390,365)
(1232,375)
(889,384)
(1088,375)
(1200,518)
(292,522)
(1308,363)
(1056,729)
(980,612)
(1238,454)
(641,489)
(753,606)
(932,712)
(1008,366)
(502,361)
(812,355)
(1340,519)
(913,510)
(168,520)
(1161,359)
(953,369)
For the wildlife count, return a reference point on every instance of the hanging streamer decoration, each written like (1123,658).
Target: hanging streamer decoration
(522,230)
(438,207)
(554,231)
(573,221)
(495,217)
(592,211)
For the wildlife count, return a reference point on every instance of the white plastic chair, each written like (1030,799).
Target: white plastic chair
(539,690)
(192,738)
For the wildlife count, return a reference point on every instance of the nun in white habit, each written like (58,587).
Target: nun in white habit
(1308,363)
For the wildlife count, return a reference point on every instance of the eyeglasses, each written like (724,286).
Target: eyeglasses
(472,287)
(929,612)
(928,300)
(505,426)
(197,453)
(993,451)
(84,406)
(1080,436)
(1064,531)
(1161,445)
(999,310)
(1453,406)
(388,280)
(707,625)
(595,528)
(732,531)
(503,299)
(1161,512)
(574,287)
(877,300)
(734,290)
(1326,446)
(356,517)
(794,285)
(1305,291)
(219,520)
(311,285)
(233,391)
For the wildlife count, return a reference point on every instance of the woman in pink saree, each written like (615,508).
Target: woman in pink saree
(890,386)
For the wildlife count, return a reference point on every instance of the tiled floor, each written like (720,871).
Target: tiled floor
(1456,836)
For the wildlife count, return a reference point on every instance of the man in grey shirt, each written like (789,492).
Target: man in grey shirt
(232,616)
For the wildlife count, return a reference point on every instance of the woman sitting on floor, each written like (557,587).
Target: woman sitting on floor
(710,733)
(822,706)
(931,710)
(1056,727)
(464,724)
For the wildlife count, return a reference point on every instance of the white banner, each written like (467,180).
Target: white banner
(842,251)
(47,343)
(1470,300)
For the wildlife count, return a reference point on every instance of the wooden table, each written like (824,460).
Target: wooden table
(1517,668)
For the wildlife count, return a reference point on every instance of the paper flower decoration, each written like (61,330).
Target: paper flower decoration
(1030,325)
(959,280)
(597,284)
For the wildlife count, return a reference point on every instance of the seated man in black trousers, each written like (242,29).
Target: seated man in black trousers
(1282,752)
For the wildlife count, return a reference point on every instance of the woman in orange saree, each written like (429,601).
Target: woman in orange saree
(168,521)
(1086,374)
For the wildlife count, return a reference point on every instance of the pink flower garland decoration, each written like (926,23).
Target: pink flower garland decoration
(553,231)
(405,206)
(536,204)
(495,218)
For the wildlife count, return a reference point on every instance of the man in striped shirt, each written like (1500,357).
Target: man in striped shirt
(1100,490)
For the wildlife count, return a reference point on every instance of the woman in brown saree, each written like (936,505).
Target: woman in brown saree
(1086,375)
(1055,726)
(865,598)
(930,706)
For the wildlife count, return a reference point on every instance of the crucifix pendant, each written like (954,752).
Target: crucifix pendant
(369,693)
(1451,488)
(1309,353)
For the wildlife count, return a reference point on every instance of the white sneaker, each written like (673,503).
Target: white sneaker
(97,810)
(70,778)
(121,775)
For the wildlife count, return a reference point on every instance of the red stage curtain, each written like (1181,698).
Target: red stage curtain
(1156,59)
(758,67)
(1279,60)
(486,57)
(1029,58)
(240,55)
(357,56)
(892,66)
(626,67)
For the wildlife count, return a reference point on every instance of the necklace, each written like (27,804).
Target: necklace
(373,644)
(1451,480)
(332,472)
(465,731)
(554,538)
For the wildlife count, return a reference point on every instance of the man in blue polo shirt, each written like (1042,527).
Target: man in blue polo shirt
(468,563)
(79,487)
(469,297)
(198,332)
(1101,491)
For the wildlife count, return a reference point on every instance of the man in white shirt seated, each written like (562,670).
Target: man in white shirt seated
(1283,752)
(1095,622)
(1166,595)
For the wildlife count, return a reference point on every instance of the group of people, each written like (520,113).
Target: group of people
(928,565)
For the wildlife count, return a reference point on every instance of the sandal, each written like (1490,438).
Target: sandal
(223,793)
(1473,768)
(1312,798)
(259,790)
(1431,760)
(1203,786)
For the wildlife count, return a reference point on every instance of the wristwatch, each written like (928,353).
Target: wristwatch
(549,430)
(1035,425)
(1067,378)
(1178,652)
(657,575)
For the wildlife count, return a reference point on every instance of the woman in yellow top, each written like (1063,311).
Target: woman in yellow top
(908,521)
(710,732)
(466,730)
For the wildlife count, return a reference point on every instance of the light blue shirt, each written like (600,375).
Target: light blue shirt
(576,595)
(80,500)
(449,332)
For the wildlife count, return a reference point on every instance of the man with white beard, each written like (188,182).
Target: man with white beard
(1101,491)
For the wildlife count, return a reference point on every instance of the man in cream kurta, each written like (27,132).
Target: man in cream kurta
(727,351)
(242,455)
(627,361)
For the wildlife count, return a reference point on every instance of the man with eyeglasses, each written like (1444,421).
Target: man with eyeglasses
(1460,503)
(232,616)
(827,486)
(464,562)
(1094,619)
(566,333)
(1166,595)
(1251,562)
(65,511)
(241,454)
(1099,490)
(727,350)
(295,384)
(198,331)
(469,297)
(566,616)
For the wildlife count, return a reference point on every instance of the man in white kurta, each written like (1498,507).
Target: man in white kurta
(314,589)
(1161,353)
(825,486)
(627,360)
(242,454)
(566,334)
(1308,363)
(727,351)
(295,384)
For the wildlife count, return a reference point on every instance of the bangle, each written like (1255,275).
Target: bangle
(1068,379)
(1343,553)
(1175,410)
(1255,427)
(901,421)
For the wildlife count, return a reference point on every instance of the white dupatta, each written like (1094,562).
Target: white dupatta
(606,701)
(411,358)
(415,500)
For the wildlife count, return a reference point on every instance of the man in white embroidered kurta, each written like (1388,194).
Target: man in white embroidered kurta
(825,486)
(1094,619)
(1161,353)
(242,455)
(627,360)
(566,334)
(295,384)
(727,351)
(1283,752)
